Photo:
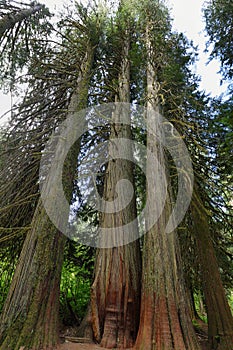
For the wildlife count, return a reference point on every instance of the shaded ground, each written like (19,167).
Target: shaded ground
(70,342)
(81,346)
(202,334)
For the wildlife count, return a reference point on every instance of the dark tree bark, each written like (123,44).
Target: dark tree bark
(115,293)
(220,320)
(165,322)
(30,315)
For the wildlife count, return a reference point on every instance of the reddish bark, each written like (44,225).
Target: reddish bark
(115,294)
(165,322)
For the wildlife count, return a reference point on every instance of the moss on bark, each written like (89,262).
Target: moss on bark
(220,320)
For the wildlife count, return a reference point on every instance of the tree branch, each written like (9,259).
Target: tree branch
(9,20)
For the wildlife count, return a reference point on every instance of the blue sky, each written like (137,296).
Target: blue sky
(187,16)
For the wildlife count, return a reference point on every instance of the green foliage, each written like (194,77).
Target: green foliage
(222,128)
(219,26)
(220,142)
(7,266)
(230,299)
(75,282)
(27,38)
(200,308)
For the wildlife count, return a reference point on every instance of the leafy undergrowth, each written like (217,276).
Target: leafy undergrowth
(75,285)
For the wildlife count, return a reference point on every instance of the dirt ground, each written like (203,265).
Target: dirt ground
(80,346)
(70,345)
(70,342)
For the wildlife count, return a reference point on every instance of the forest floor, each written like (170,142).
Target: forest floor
(78,346)
(84,346)
(70,342)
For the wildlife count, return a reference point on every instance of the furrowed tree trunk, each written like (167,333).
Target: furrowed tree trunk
(115,293)
(30,316)
(220,320)
(165,322)
(10,20)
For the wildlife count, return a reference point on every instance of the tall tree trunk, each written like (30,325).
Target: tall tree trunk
(10,20)
(220,320)
(30,315)
(165,322)
(115,293)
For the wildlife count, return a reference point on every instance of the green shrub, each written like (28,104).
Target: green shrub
(75,283)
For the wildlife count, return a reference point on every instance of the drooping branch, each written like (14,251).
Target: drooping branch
(10,20)
(30,312)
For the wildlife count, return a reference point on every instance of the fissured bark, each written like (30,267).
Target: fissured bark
(220,320)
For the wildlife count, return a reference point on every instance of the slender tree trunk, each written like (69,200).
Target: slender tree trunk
(165,322)
(30,316)
(115,293)
(193,312)
(220,320)
(10,20)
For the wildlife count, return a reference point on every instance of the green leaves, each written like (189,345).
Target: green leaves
(219,26)
(222,129)
(75,282)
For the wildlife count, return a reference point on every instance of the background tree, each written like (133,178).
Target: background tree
(219,26)
(219,23)
(220,320)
